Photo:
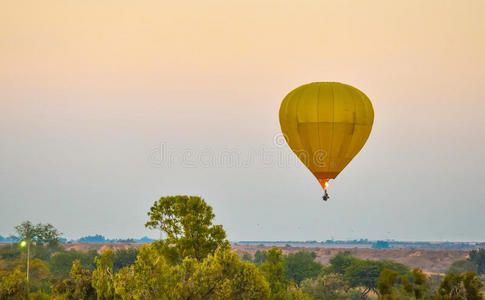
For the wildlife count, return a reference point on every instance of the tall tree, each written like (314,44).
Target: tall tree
(40,233)
(363,273)
(76,286)
(103,276)
(473,286)
(219,276)
(421,287)
(187,224)
(39,275)
(385,284)
(460,287)
(302,265)
(274,271)
(246,257)
(340,262)
(60,264)
(26,231)
(259,257)
(149,278)
(13,285)
(329,286)
(124,257)
(478,257)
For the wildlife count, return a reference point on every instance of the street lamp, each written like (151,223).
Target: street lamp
(23,244)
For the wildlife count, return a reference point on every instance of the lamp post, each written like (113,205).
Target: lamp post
(23,244)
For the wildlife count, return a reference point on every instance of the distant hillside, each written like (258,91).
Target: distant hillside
(431,261)
(379,244)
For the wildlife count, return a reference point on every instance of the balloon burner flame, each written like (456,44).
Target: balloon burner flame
(324,183)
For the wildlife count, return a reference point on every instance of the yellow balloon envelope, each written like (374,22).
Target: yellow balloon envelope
(326,124)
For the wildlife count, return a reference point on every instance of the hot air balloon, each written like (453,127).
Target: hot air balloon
(326,124)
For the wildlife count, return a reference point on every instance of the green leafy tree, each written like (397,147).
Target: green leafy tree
(152,274)
(124,257)
(407,285)
(247,257)
(260,257)
(274,271)
(39,295)
(10,252)
(473,286)
(385,284)
(340,262)
(329,286)
(39,272)
(60,263)
(102,279)
(48,235)
(149,278)
(478,257)
(77,285)
(295,293)
(27,231)
(451,288)
(13,285)
(187,224)
(220,276)
(464,265)
(463,286)
(125,285)
(302,265)
(421,286)
(193,262)
(42,234)
(81,282)
(249,283)
(395,266)
(42,239)
(39,275)
(363,273)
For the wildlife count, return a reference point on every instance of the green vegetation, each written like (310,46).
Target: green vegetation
(478,257)
(460,286)
(273,270)
(385,284)
(302,265)
(195,261)
(187,223)
(124,258)
(462,266)
(61,262)
(475,263)
(328,286)
(77,285)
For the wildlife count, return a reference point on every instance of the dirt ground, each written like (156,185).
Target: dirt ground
(431,261)
(100,247)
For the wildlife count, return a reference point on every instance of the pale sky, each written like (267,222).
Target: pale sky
(96,96)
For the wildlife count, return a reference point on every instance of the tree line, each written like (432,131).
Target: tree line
(195,261)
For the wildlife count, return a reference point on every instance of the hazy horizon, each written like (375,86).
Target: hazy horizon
(107,106)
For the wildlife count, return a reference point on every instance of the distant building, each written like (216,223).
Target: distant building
(380,245)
